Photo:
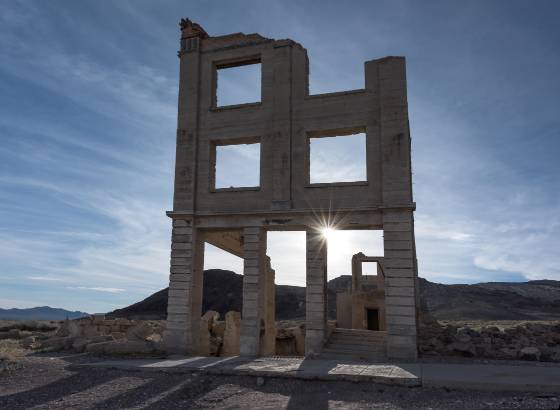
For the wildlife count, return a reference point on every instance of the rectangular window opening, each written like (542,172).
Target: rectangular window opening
(369,268)
(337,158)
(238,83)
(237,166)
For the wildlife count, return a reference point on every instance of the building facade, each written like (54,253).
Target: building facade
(283,124)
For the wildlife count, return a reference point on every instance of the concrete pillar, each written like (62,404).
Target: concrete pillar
(254,266)
(401,290)
(268,333)
(316,292)
(184,306)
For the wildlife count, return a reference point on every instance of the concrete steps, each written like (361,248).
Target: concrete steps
(354,344)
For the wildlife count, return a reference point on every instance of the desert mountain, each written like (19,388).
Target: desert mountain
(533,300)
(39,313)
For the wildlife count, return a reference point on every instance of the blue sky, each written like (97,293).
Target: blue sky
(88,94)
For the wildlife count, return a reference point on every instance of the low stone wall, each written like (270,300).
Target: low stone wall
(529,341)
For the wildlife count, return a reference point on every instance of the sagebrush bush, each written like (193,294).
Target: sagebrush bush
(30,325)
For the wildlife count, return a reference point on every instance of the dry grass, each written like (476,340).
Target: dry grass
(10,349)
(30,325)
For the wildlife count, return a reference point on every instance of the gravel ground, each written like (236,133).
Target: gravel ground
(47,382)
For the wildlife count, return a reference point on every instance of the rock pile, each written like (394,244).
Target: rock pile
(99,335)
(530,341)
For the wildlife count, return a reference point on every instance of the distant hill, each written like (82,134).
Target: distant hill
(533,300)
(39,313)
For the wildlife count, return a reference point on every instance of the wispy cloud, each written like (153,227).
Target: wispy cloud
(46,278)
(98,289)
(88,134)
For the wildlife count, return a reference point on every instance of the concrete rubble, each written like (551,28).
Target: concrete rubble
(530,341)
(102,336)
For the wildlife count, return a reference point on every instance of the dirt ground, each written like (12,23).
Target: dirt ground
(48,381)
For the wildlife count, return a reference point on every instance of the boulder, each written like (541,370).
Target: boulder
(140,331)
(530,353)
(290,341)
(30,342)
(463,349)
(118,335)
(80,344)
(218,329)
(536,328)
(210,317)
(206,346)
(463,338)
(57,343)
(215,346)
(155,338)
(507,353)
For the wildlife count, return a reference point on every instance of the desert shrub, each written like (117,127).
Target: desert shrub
(30,325)
(10,349)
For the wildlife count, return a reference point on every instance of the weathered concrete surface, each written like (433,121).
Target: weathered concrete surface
(309,369)
(463,376)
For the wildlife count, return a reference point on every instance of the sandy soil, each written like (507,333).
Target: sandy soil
(47,381)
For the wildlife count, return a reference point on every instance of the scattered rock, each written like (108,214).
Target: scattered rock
(209,318)
(118,335)
(530,353)
(30,342)
(531,341)
(57,343)
(140,331)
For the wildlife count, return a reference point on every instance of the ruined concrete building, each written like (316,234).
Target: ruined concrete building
(284,123)
(363,305)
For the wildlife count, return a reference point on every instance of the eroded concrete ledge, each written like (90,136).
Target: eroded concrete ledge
(296,368)
(457,376)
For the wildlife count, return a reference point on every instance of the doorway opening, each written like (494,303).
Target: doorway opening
(372,319)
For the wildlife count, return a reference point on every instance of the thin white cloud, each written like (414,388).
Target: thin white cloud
(46,278)
(98,289)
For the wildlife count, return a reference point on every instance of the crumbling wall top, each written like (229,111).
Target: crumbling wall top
(190,29)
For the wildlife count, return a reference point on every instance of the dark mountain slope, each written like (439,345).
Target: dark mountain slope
(533,300)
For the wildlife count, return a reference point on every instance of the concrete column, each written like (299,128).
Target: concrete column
(186,156)
(400,284)
(268,337)
(316,292)
(254,274)
(185,289)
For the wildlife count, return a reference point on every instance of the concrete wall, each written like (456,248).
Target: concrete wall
(283,121)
